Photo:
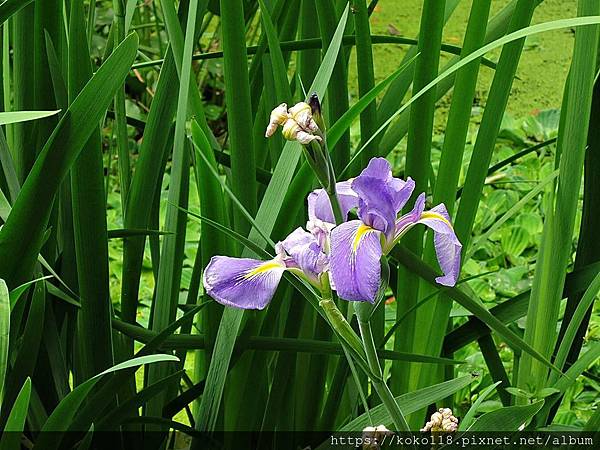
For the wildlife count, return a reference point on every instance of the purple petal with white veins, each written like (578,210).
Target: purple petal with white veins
(381,196)
(319,206)
(242,282)
(447,246)
(304,249)
(411,217)
(354,261)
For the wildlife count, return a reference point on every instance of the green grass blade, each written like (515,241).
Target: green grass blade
(576,319)
(24,116)
(16,420)
(23,78)
(118,415)
(555,249)
(89,219)
(467,420)
(423,270)
(268,212)
(311,43)
(418,156)
(10,7)
(172,253)
(4,334)
(282,86)
(25,362)
(32,208)
(495,366)
(506,419)
(411,402)
(61,418)
(515,308)
(585,361)
(239,109)
(338,91)
(366,75)
(514,36)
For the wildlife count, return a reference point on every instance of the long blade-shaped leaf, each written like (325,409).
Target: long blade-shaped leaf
(31,211)
(4,333)
(16,420)
(268,211)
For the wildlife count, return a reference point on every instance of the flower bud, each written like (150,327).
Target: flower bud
(374,437)
(302,114)
(315,108)
(278,117)
(292,131)
(442,421)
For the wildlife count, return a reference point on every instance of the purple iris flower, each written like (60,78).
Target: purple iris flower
(357,245)
(250,283)
(351,251)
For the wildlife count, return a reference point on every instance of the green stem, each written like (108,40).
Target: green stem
(380,386)
(120,114)
(335,204)
(335,316)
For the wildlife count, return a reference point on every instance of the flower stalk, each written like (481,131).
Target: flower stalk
(382,389)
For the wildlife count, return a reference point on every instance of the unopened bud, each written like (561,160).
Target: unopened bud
(442,421)
(278,117)
(374,437)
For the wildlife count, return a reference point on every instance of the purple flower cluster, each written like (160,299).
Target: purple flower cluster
(349,252)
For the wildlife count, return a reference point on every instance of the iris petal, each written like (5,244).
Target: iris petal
(381,196)
(354,262)
(319,206)
(242,282)
(447,246)
(304,249)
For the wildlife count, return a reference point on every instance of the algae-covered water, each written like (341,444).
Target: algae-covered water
(542,69)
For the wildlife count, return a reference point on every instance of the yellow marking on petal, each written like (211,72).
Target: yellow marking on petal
(360,233)
(434,215)
(265,267)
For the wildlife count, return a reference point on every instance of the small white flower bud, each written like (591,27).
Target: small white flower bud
(302,114)
(306,138)
(278,117)
(374,437)
(442,420)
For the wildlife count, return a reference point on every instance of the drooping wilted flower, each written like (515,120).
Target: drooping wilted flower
(374,437)
(441,421)
(297,122)
(251,283)
(357,245)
